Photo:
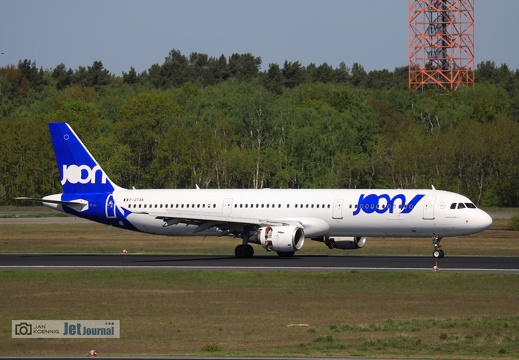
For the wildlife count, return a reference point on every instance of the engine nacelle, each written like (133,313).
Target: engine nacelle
(282,238)
(344,243)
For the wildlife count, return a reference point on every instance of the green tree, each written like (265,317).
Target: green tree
(63,76)
(144,120)
(294,74)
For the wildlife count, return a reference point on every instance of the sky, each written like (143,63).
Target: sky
(140,33)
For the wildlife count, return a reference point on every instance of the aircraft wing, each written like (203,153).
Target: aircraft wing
(226,224)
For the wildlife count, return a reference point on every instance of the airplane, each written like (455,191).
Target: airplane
(277,219)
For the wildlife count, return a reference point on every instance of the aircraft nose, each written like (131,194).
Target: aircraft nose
(484,220)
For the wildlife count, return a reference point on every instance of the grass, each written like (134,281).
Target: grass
(310,314)
(435,315)
(97,238)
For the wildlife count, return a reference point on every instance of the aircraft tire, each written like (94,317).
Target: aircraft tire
(249,250)
(240,251)
(244,251)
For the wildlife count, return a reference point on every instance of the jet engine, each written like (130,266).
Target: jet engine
(282,238)
(344,243)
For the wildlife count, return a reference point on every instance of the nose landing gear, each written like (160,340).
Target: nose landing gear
(438,252)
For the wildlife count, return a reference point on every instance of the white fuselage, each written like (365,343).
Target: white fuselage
(375,213)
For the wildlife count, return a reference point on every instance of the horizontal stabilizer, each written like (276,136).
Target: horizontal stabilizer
(77,205)
(57,202)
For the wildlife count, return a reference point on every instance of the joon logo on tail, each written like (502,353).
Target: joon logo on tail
(82,174)
(383,203)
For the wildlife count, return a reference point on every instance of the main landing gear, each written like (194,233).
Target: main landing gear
(438,252)
(244,251)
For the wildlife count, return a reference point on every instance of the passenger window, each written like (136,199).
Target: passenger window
(461,206)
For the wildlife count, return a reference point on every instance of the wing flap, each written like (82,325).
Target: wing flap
(205,221)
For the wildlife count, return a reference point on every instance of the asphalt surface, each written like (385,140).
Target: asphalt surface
(259,263)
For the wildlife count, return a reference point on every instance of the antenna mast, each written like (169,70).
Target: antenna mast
(441,44)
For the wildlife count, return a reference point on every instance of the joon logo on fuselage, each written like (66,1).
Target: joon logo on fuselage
(383,203)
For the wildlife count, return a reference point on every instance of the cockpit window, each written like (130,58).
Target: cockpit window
(463,206)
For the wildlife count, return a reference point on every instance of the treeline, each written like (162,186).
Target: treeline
(225,123)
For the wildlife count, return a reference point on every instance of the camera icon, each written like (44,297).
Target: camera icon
(23,328)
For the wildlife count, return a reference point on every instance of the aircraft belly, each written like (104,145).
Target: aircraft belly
(393,226)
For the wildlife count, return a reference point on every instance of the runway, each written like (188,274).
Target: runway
(508,265)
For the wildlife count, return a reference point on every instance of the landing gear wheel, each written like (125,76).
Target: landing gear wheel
(244,251)
(249,250)
(240,251)
(438,252)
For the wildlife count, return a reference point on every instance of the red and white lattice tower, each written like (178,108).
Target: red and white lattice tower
(441,44)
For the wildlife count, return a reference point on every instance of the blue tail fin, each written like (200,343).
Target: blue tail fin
(78,170)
